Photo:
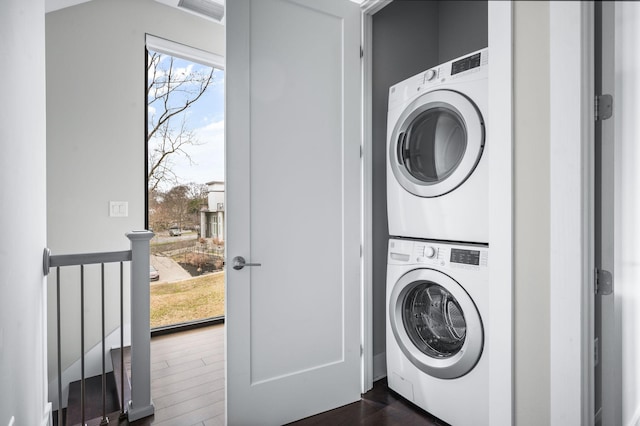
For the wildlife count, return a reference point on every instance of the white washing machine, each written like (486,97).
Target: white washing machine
(437,163)
(437,309)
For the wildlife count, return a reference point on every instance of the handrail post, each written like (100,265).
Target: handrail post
(140,405)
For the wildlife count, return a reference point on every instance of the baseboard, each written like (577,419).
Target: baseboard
(635,419)
(191,325)
(47,415)
(379,366)
(136,413)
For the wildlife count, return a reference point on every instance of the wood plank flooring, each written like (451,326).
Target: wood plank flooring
(378,407)
(187,388)
(187,378)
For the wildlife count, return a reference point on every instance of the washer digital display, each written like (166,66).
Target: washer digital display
(467,257)
(465,64)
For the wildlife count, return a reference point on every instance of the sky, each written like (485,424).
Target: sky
(206,118)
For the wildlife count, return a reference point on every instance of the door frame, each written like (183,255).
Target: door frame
(500,340)
(571,40)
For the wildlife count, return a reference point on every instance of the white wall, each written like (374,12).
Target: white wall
(95,136)
(627,202)
(23,199)
(531,212)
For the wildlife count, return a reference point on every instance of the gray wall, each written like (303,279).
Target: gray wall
(95,134)
(462,28)
(23,352)
(401,24)
(531,212)
(408,38)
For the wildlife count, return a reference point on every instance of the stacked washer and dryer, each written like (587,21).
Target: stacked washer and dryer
(437,264)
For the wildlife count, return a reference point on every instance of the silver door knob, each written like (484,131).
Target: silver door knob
(238,263)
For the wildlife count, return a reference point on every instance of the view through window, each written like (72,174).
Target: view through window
(185,182)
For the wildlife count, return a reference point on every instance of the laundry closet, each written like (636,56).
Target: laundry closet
(408,37)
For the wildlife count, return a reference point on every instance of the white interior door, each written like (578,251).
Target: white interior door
(293,205)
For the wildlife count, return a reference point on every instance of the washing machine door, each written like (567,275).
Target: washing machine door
(435,323)
(436,143)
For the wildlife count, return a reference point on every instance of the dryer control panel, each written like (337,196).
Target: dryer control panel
(470,67)
(438,254)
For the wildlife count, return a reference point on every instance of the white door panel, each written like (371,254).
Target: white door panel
(293,205)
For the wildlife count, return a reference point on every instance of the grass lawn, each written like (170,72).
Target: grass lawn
(188,300)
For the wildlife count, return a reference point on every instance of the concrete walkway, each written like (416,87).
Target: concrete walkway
(170,271)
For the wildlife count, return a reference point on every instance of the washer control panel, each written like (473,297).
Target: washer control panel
(435,253)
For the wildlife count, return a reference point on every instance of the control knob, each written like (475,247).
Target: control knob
(430,252)
(430,75)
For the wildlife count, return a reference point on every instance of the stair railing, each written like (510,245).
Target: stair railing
(140,405)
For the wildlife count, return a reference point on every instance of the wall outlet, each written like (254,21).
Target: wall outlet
(118,208)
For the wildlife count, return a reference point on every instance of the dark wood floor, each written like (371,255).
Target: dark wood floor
(187,387)
(378,407)
(187,378)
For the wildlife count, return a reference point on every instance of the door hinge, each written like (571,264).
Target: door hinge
(360,151)
(361,351)
(603,282)
(603,107)
(361,52)
(360,250)
(596,352)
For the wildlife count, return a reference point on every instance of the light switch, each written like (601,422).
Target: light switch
(118,208)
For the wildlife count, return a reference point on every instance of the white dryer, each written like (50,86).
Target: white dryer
(437,310)
(437,165)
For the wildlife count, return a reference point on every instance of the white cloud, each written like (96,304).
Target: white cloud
(208,157)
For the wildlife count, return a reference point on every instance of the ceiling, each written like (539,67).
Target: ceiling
(192,6)
(52,5)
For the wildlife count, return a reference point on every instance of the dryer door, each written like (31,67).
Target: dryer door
(436,324)
(436,143)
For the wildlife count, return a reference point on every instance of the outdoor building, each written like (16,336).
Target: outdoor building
(212,216)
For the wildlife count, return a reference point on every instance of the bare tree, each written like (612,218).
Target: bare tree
(176,201)
(170,92)
(179,206)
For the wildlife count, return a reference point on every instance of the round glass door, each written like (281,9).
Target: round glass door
(434,144)
(435,323)
(434,320)
(437,143)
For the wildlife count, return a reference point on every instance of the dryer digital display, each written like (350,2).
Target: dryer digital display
(465,64)
(467,257)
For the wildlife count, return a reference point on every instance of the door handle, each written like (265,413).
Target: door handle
(402,141)
(239,263)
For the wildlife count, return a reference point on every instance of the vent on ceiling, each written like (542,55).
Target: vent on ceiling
(208,8)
